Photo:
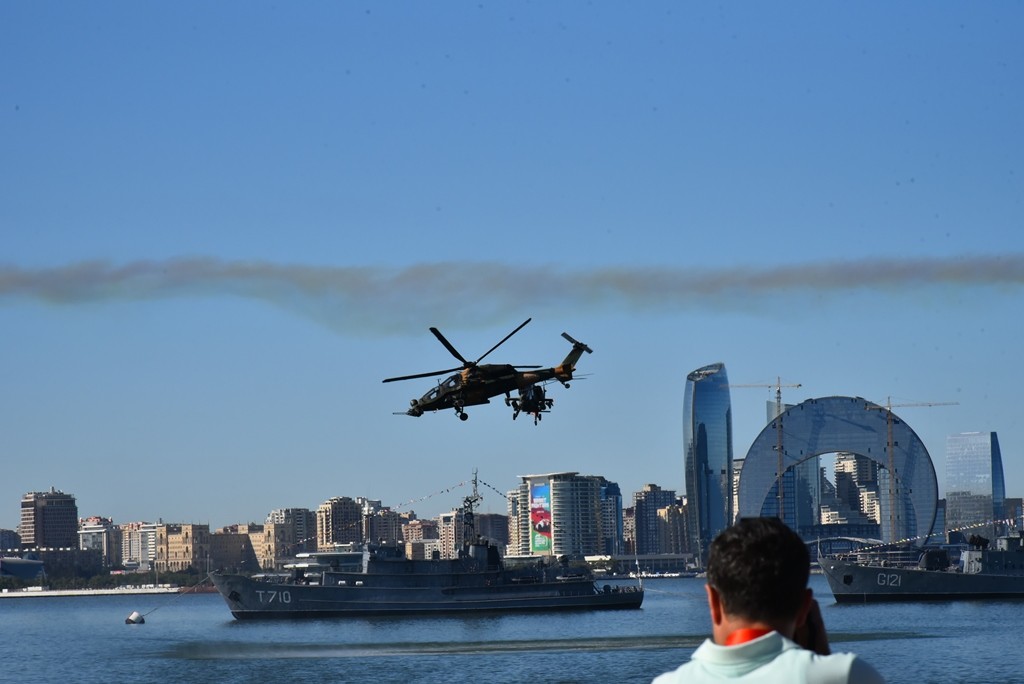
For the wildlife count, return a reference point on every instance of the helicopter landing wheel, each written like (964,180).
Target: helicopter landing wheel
(463,415)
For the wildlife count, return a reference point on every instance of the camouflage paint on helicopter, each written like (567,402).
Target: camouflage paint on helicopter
(473,384)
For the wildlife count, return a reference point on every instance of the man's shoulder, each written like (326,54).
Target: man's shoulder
(839,668)
(684,673)
(862,672)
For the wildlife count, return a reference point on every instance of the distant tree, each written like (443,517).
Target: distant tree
(12,583)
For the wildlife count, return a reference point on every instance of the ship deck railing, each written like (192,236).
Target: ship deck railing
(886,559)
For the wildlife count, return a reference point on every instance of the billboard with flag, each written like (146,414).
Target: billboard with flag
(540,517)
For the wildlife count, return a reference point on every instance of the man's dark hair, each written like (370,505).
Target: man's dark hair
(760,568)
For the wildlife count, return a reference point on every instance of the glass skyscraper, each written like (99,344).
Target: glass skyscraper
(975,490)
(905,503)
(800,498)
(707,449)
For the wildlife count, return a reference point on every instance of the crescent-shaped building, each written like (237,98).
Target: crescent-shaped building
(792,442)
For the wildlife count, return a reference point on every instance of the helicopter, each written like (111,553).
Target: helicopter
(473,383)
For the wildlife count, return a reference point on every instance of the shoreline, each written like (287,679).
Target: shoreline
(119,591)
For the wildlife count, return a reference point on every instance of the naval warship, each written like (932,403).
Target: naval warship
(379,579)
(982,573)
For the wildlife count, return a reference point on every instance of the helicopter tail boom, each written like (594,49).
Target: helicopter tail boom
(564,370)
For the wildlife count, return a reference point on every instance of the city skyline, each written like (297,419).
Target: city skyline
(222,231)
(959,442)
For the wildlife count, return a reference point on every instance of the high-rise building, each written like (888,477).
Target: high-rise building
(672,529)
(629,530)
(298,525)
(646,504)
(9,540)
(611,519)
(383,525)
(338,521)
(518,521)
(556,514)
(451,533)
(856,498)
(138,545)
(576,514)
(492,526)
(707,449)
(103,536)
(975,490)
(419,530)
(850,507)
(49,520)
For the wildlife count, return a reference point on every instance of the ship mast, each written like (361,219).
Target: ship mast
(468,506)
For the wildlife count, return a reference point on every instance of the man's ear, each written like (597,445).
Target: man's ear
(715,605)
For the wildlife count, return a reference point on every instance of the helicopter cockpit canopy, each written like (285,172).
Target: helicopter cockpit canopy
(450,383)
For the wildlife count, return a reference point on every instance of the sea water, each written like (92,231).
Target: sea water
(193,638)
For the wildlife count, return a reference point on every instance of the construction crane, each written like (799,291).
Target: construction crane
(778,447)
(889,447)
(778,392)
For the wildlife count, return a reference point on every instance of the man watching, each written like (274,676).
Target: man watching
(765,623)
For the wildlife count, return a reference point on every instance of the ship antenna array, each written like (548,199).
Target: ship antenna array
(970,526)
(468,506)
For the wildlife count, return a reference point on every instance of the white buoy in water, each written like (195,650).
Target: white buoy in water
(135,618)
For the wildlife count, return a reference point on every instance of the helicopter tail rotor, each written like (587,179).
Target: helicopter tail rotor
(577,344)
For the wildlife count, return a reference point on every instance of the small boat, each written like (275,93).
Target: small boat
(982,573)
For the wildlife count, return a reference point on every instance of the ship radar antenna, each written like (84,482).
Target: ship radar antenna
(468,507)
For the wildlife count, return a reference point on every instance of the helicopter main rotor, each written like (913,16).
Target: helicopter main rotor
(466,365)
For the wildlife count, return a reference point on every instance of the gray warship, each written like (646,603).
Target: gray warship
(379,579)
(982,573)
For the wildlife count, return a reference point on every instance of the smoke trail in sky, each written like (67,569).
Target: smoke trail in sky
(380,299)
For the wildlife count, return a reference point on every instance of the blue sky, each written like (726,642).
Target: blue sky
(223,226)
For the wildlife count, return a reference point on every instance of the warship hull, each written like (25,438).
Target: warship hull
(252,599)
(853,583)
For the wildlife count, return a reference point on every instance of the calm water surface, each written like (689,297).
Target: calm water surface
(193,638)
